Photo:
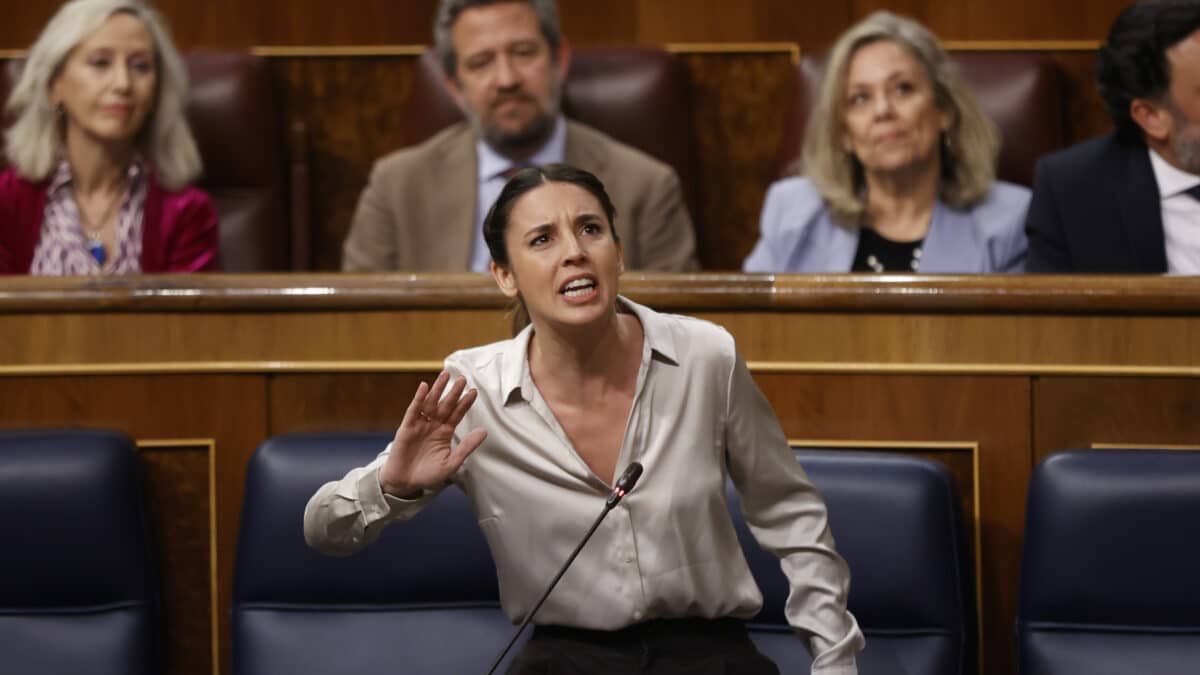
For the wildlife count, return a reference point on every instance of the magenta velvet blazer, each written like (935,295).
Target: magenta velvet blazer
(179,229)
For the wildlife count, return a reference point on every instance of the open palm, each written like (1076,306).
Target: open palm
(423,453)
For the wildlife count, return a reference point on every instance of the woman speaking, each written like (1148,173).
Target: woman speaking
(535,430)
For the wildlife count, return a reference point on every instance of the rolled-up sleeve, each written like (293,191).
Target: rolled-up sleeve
(346,515)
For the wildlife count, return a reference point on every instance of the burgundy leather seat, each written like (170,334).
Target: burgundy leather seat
(1020,91)
(232,111)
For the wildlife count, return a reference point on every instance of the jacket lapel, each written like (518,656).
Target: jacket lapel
(832,250)
(454,184)
(952,245)
(1141,211)
(582,152)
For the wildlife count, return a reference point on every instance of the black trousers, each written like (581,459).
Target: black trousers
(661,647)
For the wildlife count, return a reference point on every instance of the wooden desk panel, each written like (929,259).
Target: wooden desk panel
(984,373)
(1080,412)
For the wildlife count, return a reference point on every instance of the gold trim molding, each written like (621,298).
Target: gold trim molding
(315,51)
(424,366)
(1022,45)
(209,445)
(790,48)
(970,368)
(1143,446)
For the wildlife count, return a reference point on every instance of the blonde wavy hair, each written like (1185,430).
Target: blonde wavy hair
(971,144)
(35,142)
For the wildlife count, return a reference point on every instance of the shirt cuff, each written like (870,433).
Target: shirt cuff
(376,505)
(839,669)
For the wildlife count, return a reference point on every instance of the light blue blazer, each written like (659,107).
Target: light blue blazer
(798,235)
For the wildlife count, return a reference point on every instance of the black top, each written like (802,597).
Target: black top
(879,254)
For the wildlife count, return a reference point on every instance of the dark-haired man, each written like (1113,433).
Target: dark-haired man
(1129,202)
(504,63)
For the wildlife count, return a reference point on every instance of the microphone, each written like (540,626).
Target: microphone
(624,484)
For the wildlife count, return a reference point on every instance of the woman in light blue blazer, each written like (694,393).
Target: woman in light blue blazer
(899,169)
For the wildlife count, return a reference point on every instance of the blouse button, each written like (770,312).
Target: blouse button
(627,557)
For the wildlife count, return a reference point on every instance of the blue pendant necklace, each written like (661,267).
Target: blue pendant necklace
(92,231)
(95,246)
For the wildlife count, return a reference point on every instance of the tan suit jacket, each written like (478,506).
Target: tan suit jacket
(417,213)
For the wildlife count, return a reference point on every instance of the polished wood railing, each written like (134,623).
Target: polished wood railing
(1057,294)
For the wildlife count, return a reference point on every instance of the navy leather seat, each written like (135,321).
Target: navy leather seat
(895,520)
(78,586)
(423,599)
(1109,580)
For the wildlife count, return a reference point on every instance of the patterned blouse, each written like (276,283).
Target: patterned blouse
(63,246)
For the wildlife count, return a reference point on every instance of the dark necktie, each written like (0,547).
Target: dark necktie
(1193,192)
(511,171)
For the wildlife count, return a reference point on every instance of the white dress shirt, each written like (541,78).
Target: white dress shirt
(1180,216)
(669,549)
(492,166)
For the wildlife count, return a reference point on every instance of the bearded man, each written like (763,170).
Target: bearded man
(504,62)
(1129,202)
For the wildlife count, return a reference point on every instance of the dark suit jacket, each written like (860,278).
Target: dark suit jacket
(1096,209)
(417,213)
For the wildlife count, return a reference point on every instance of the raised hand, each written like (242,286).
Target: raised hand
(422,457)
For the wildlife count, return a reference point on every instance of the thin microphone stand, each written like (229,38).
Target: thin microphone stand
(624,485)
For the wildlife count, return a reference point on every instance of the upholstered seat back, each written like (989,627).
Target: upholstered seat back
(423,599)
(232,112)
(8,72)
(1109,579)
(639,96)
(1020,91)
(78,586)
(895,521)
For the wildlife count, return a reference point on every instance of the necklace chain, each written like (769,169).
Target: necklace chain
(93,228)
(92,231)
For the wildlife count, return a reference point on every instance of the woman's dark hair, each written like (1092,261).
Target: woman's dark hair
(495,223)
(1132,63)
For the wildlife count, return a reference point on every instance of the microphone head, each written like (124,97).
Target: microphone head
(628,479)
(624,484)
